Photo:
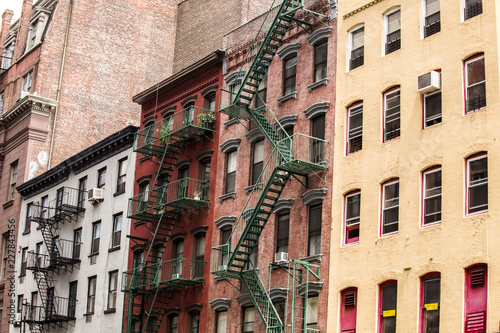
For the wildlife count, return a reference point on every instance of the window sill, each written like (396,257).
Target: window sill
(109,311)
(8,204)
(292,95)
(26,232)
(113,249)
(250,188)
(230,122)
(322,82)
(118,193)
(218,279)
(315,257)
(230,195)
(88,314)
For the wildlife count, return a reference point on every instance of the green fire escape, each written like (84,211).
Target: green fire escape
(295,156)
(150,284)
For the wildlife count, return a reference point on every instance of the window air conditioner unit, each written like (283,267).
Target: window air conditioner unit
(176,276)
(22,94)
(96,195)
(222,267)
(281,258)
(17,320)
(429,82)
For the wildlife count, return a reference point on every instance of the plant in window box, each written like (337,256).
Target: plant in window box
(165,133)
(206,119)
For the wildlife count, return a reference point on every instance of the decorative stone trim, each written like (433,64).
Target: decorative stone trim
(178,235)
(208,90)
(143,179)
(292,95)
(374,2)
(244,300)
(250,188)
(288,50)
(278,294)
(254,135)
(231,77)
(190,99)
(204,154)
(313,286)
(193,307)
(230,122)
(149,120)
(319,35)
(313,196)
(218,279)
(173,311)
(225,222)
(288,121)
(168,111)
(230,145)
(220,304)
(319,83)
(159,242)
(137,247)
(184,163)
(316,109)
(224,197)
(315,257)
(199,229)
(283,205)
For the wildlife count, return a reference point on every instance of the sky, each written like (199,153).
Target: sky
(15,5)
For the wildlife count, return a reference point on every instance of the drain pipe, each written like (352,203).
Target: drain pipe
(70,11)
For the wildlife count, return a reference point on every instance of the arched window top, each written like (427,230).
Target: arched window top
(476,54)
(314,196)
(184,163)
(283,205)
(289,50)
(230,145)
(319,36)
(220,304)
(148,121)
(178,236)
(143,180)
(189,101)
(255,135)
(168,111)
(209,90)
(391,88)
(316,109)
(200,229)
(225,222)
(194,308)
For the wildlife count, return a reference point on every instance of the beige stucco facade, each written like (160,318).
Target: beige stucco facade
(460,239)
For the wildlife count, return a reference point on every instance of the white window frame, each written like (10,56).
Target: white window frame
(386,93)
(469,186)
(425,196)
(346,221)
(384,208)
(424,106)
(386,29)
(424,17)
(466,80)
(350,45)
(348,127)
(27,81)
(464,8)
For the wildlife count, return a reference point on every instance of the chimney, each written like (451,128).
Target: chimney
(24,22)
(6,21)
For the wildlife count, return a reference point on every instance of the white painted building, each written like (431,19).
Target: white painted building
(72,245)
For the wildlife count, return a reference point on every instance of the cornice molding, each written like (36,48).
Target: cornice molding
(357,10)
(230,145)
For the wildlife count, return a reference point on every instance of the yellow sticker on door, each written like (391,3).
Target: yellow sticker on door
(431,306)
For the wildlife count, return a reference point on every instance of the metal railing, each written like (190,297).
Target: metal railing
(66,249)
(57,309)
(174,271)
(37,261)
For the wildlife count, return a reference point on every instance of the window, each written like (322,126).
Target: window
(24,261)
(352,216)
(91,294)
(144,196)
(13,180)
(253,258)
(432,109)
(392,114)
(282,232)
(320,61)
(34,298)
(27,79)
(224,238)
(32,34)
(354,128)
(431,195)
(317,143)
(5,248)
(432,21)
(476,296)
(261,96)
(348,305)
(357,47)
(230,171)
(257,160)
(29,215)
(178,253)
(430,300)
(314,232)
(204,175)
(194,322)
(73,286)
(45,207)
(188,114)
(312,314)
(289,76)
(209,103)
(477,184)
(248,320)
(19,303)
(117,230)
(1,102)
(8,53)
(101,178)
(39,253)
(199,254)
(122,174)
(393,29)
(390,207)
(82,190)
(96,237)
(472,8)
(221,322)
(77,243)
(475,83)
(173,324)
(388,294)
(112,290)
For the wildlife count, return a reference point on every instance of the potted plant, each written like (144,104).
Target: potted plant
(165,133)
(205,119)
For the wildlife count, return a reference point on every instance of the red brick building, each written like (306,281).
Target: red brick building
(299,91)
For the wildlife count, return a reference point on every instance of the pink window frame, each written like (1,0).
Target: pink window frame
(384,109)
(422,314)
(382,200)
(467,169)
(466,61)
(468,287)
(346,229)
(423,197)
(380,298)
(349,108)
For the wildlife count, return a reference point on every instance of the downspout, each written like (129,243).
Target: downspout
(70,11)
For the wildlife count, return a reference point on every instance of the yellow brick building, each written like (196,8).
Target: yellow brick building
(415,221)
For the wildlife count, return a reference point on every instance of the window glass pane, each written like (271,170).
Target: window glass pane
(312,312)
(352,209)
(258,155)
(432,6)
(358,38)
(432,109)
(432,195)
(248,320)
(231,162)
(393,22)
(282,233)
(478,185)
(391,208)
(475,71)
(221,322)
